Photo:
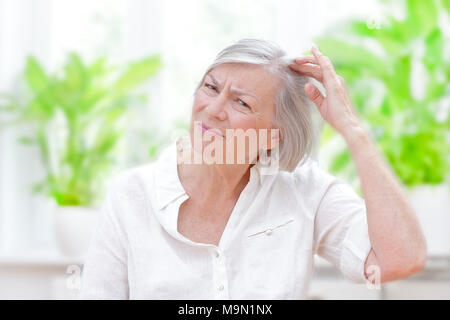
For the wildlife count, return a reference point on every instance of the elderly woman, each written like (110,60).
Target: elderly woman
(185,229)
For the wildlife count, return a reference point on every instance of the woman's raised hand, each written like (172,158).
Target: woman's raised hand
(336,107)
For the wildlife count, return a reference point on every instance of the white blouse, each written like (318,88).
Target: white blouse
(266,250)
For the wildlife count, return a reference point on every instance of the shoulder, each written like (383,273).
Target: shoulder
(309,182)
(308,176)
(311,172)
(143,185)
(127,198)
(326,190)
(131,184)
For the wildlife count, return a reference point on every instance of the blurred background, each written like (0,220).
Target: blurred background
(90,88)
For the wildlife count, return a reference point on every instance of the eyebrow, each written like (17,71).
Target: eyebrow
(234,90)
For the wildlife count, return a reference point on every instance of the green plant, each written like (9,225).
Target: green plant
(78,119)
(379,64)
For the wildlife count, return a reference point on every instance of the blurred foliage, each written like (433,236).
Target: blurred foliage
(161,139)
(78,118)
(377,60)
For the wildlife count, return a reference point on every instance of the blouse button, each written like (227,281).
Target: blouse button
(268,232)
(217,254)
(221,287)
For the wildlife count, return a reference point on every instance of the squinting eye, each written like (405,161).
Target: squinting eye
(243,103)
(210,86)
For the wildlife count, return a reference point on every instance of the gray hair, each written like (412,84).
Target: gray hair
(292,106)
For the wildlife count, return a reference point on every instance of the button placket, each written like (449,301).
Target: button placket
(220,279)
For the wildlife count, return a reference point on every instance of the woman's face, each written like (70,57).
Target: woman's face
(234,96)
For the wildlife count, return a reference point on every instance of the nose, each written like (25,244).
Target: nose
(216,107)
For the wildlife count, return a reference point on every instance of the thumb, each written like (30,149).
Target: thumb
(314,94)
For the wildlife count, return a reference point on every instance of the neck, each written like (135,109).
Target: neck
(211,183)
(206,183)
(220,182)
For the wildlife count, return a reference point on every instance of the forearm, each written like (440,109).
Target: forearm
(394,230)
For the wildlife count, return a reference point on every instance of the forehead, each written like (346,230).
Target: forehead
(252,79)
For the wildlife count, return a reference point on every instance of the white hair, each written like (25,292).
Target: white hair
(292,107)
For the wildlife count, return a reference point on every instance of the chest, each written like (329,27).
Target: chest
(206,226)
(257,264)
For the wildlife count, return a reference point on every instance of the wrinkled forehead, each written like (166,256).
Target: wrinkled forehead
(254,79)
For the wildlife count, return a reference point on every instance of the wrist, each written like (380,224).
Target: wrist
(355,135)
(359,143)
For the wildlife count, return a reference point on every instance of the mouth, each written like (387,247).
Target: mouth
(209,130)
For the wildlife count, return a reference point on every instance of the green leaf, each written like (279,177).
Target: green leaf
(395,36)
(360,28)
(67,199)
(98,68)
(347,56)
(91,98)
(435,89)
(107,141)
(422,16)
(137,73)
(76,75)
(39,110)
(35,75)
(399,82)
(446,5)
(434,48)
(43,145)
(340,161)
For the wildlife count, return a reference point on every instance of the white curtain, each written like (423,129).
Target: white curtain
(23,30)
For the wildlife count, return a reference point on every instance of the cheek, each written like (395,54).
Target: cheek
(200,102)
(241,122)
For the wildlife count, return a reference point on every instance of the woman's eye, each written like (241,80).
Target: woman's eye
(210,86)
(243,103)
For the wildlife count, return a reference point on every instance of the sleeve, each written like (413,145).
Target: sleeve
(104,274)
(341,234)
